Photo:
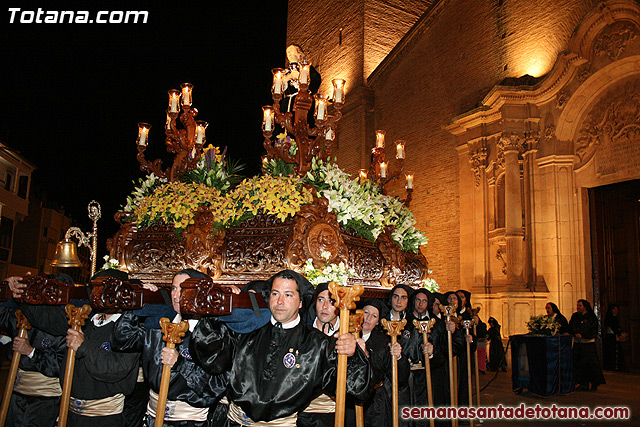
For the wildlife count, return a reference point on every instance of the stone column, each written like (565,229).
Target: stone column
(514,235)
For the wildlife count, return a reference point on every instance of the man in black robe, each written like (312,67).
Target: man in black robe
(102,377)
(192,392)
(586,366)
(36,392)
(278,369)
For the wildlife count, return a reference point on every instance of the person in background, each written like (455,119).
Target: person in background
(612,346)
(553,311)
(497,360)
(586,366)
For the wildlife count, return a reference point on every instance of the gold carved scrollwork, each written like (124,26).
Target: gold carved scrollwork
(613,41)
(315,230)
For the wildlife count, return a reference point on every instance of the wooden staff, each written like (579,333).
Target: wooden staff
(23,326)
(171,334)
(475,312)
(355,326)
(345,299)
(467,326)
(394,328)
(449,311)
(424,326)
(76,316)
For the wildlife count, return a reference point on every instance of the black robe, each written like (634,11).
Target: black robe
(275,372)
(48,356)
(612,352)
(586,364)
(99,371)
(189,382)
(377,410)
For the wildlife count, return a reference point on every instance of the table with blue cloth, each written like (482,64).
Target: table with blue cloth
(542,364)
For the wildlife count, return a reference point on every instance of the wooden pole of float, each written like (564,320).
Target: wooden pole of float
(424,326)
(23,326)
(449,311)
(467,326)
(355,326)
(345,298)
(394,328)
(76,317)
(171,334)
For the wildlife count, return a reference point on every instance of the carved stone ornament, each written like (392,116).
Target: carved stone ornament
(614,39)
(316,230)
(478,161)
(508,142)
(561,100)
(501,254)
(615,118)
(584,75)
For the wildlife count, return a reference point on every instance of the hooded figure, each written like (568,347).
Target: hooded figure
(400,301)
(412,309)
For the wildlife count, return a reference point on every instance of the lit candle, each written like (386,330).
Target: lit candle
(400,149)
(363,176)
(201,126)
(267,118)
(303,78)
(338,91)
(383,170)
(409,180)
(277,80)
(174,98)
(186,93)
(265,161)
(143,133)
(321,107)
(330,135)
(380,138)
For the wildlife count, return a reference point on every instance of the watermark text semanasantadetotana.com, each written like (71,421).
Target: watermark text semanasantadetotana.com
(521,412)
(40,16)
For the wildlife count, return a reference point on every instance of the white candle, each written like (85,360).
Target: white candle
(277,80)
(186,93)
(321,107)
(143,133)
(200,131)
(400,149)
(380,138)
(303,78)
(174,98)
(338,90)
(383,170)
(409,181)
(267,118)
(363,175)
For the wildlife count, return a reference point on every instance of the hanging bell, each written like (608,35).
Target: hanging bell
(66,255)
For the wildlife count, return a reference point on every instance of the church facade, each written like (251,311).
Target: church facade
(522,127)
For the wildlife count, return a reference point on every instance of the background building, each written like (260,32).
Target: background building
(522,125)
(15,182)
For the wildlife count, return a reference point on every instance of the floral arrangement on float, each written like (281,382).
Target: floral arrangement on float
(338,273)
(543,325)
(215,183)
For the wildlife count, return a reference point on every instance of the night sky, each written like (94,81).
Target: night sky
(74,93)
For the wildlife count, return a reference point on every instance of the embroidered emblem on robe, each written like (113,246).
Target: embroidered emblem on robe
(46,343)
(185,353)
(106,346)
(289,360)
